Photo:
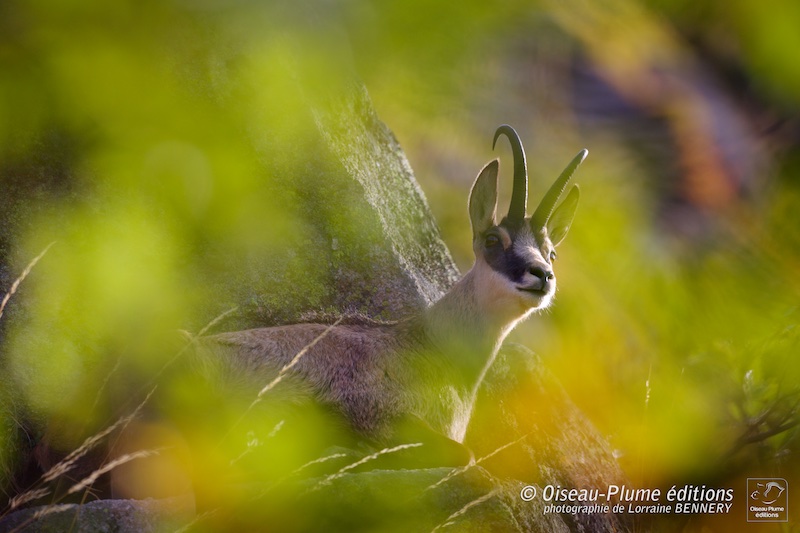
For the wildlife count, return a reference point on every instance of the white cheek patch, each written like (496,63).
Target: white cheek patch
(501,291)
(497,283)
(527,248)
(493,287)
(500,296)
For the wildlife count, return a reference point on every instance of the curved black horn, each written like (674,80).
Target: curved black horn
(519,194)
(548,203)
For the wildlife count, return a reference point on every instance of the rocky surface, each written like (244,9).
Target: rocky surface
(369,244)
(368,241)
(101,516)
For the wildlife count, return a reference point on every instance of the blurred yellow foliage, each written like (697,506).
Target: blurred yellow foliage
(664,331)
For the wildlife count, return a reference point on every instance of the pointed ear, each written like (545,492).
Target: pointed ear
(561,219)
(483,198)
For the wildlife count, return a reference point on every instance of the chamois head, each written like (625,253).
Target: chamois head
(520,250)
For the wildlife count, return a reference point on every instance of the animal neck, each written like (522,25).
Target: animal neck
(468,324)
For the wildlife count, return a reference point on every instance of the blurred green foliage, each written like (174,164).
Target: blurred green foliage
(675,332)
(134,137)
(146,139)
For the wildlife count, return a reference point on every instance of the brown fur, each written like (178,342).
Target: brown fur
(428,367)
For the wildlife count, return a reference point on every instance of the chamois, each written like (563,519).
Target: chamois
(426,369)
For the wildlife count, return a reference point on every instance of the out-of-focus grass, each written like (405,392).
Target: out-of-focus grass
(674,345)
(170,111)
(656,343)
(673,334)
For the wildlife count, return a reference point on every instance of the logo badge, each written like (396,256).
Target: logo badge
(767,500)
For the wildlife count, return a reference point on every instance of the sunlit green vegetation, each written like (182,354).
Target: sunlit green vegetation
(676,325)
(161,149)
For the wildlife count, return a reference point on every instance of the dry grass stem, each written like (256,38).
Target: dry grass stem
(276,429)
(297,471)
(50,509)
(91,478)
(21,278)
(69,461)
(190,341)
(253,442)
(294,361)
(281,374)
(317,461)
(217,320)
(328,480)
(199,518)
(100,390)
(26,497)
(456,471)
(463,510)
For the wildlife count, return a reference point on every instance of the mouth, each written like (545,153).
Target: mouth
(533,290)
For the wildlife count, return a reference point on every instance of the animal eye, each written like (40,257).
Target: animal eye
(491,240)
(553,256)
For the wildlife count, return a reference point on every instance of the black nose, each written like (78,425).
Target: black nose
(542,274)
